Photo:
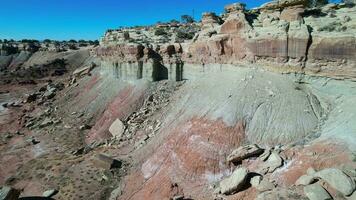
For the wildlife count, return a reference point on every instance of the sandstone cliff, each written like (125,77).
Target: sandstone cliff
(287,36)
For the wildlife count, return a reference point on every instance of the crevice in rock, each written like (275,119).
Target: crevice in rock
(310,41)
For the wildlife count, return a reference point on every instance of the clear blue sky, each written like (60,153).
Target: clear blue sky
(88,19)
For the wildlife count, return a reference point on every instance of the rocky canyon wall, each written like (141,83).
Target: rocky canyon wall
(284,36)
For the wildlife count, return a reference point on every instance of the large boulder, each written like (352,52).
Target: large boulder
(244,152)
(338,180)
(316,192)
(273,162)
(105,162)
(305,180)
(235,182)
(117,128)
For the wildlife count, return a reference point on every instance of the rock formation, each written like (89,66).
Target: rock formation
(242,105)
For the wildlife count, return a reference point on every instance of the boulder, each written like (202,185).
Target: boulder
(49,94)
(84,70)
(265,186)
(256,180)
(265,155)
(8,193)
(305,180)
(273,162)
(117,128)
(105,162)
(235,182)
(244,152)
(316,192)
(338,180)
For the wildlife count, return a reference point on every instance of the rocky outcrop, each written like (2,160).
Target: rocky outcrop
(288,35)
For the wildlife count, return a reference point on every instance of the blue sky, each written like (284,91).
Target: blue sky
(88,19)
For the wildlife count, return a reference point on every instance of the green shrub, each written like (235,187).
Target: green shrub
(160,31)
(185,35)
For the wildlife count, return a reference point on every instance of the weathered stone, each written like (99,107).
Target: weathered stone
(292,13)
(117,128)
(84,127)
(305,180)
(316,192)
(84,70)
(8,193)
(280,4)
(244,152)
(234,24)
(235,182)
(338,180)
(265,155)
(49,94)
(46,122)
(116,193)
(255,181)
(273,162)
(265,186)
(50,193)
(106,162)
(178,197)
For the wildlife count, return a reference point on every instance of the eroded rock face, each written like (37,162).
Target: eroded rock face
(287,35)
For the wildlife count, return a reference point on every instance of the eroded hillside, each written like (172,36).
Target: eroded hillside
(252,104)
